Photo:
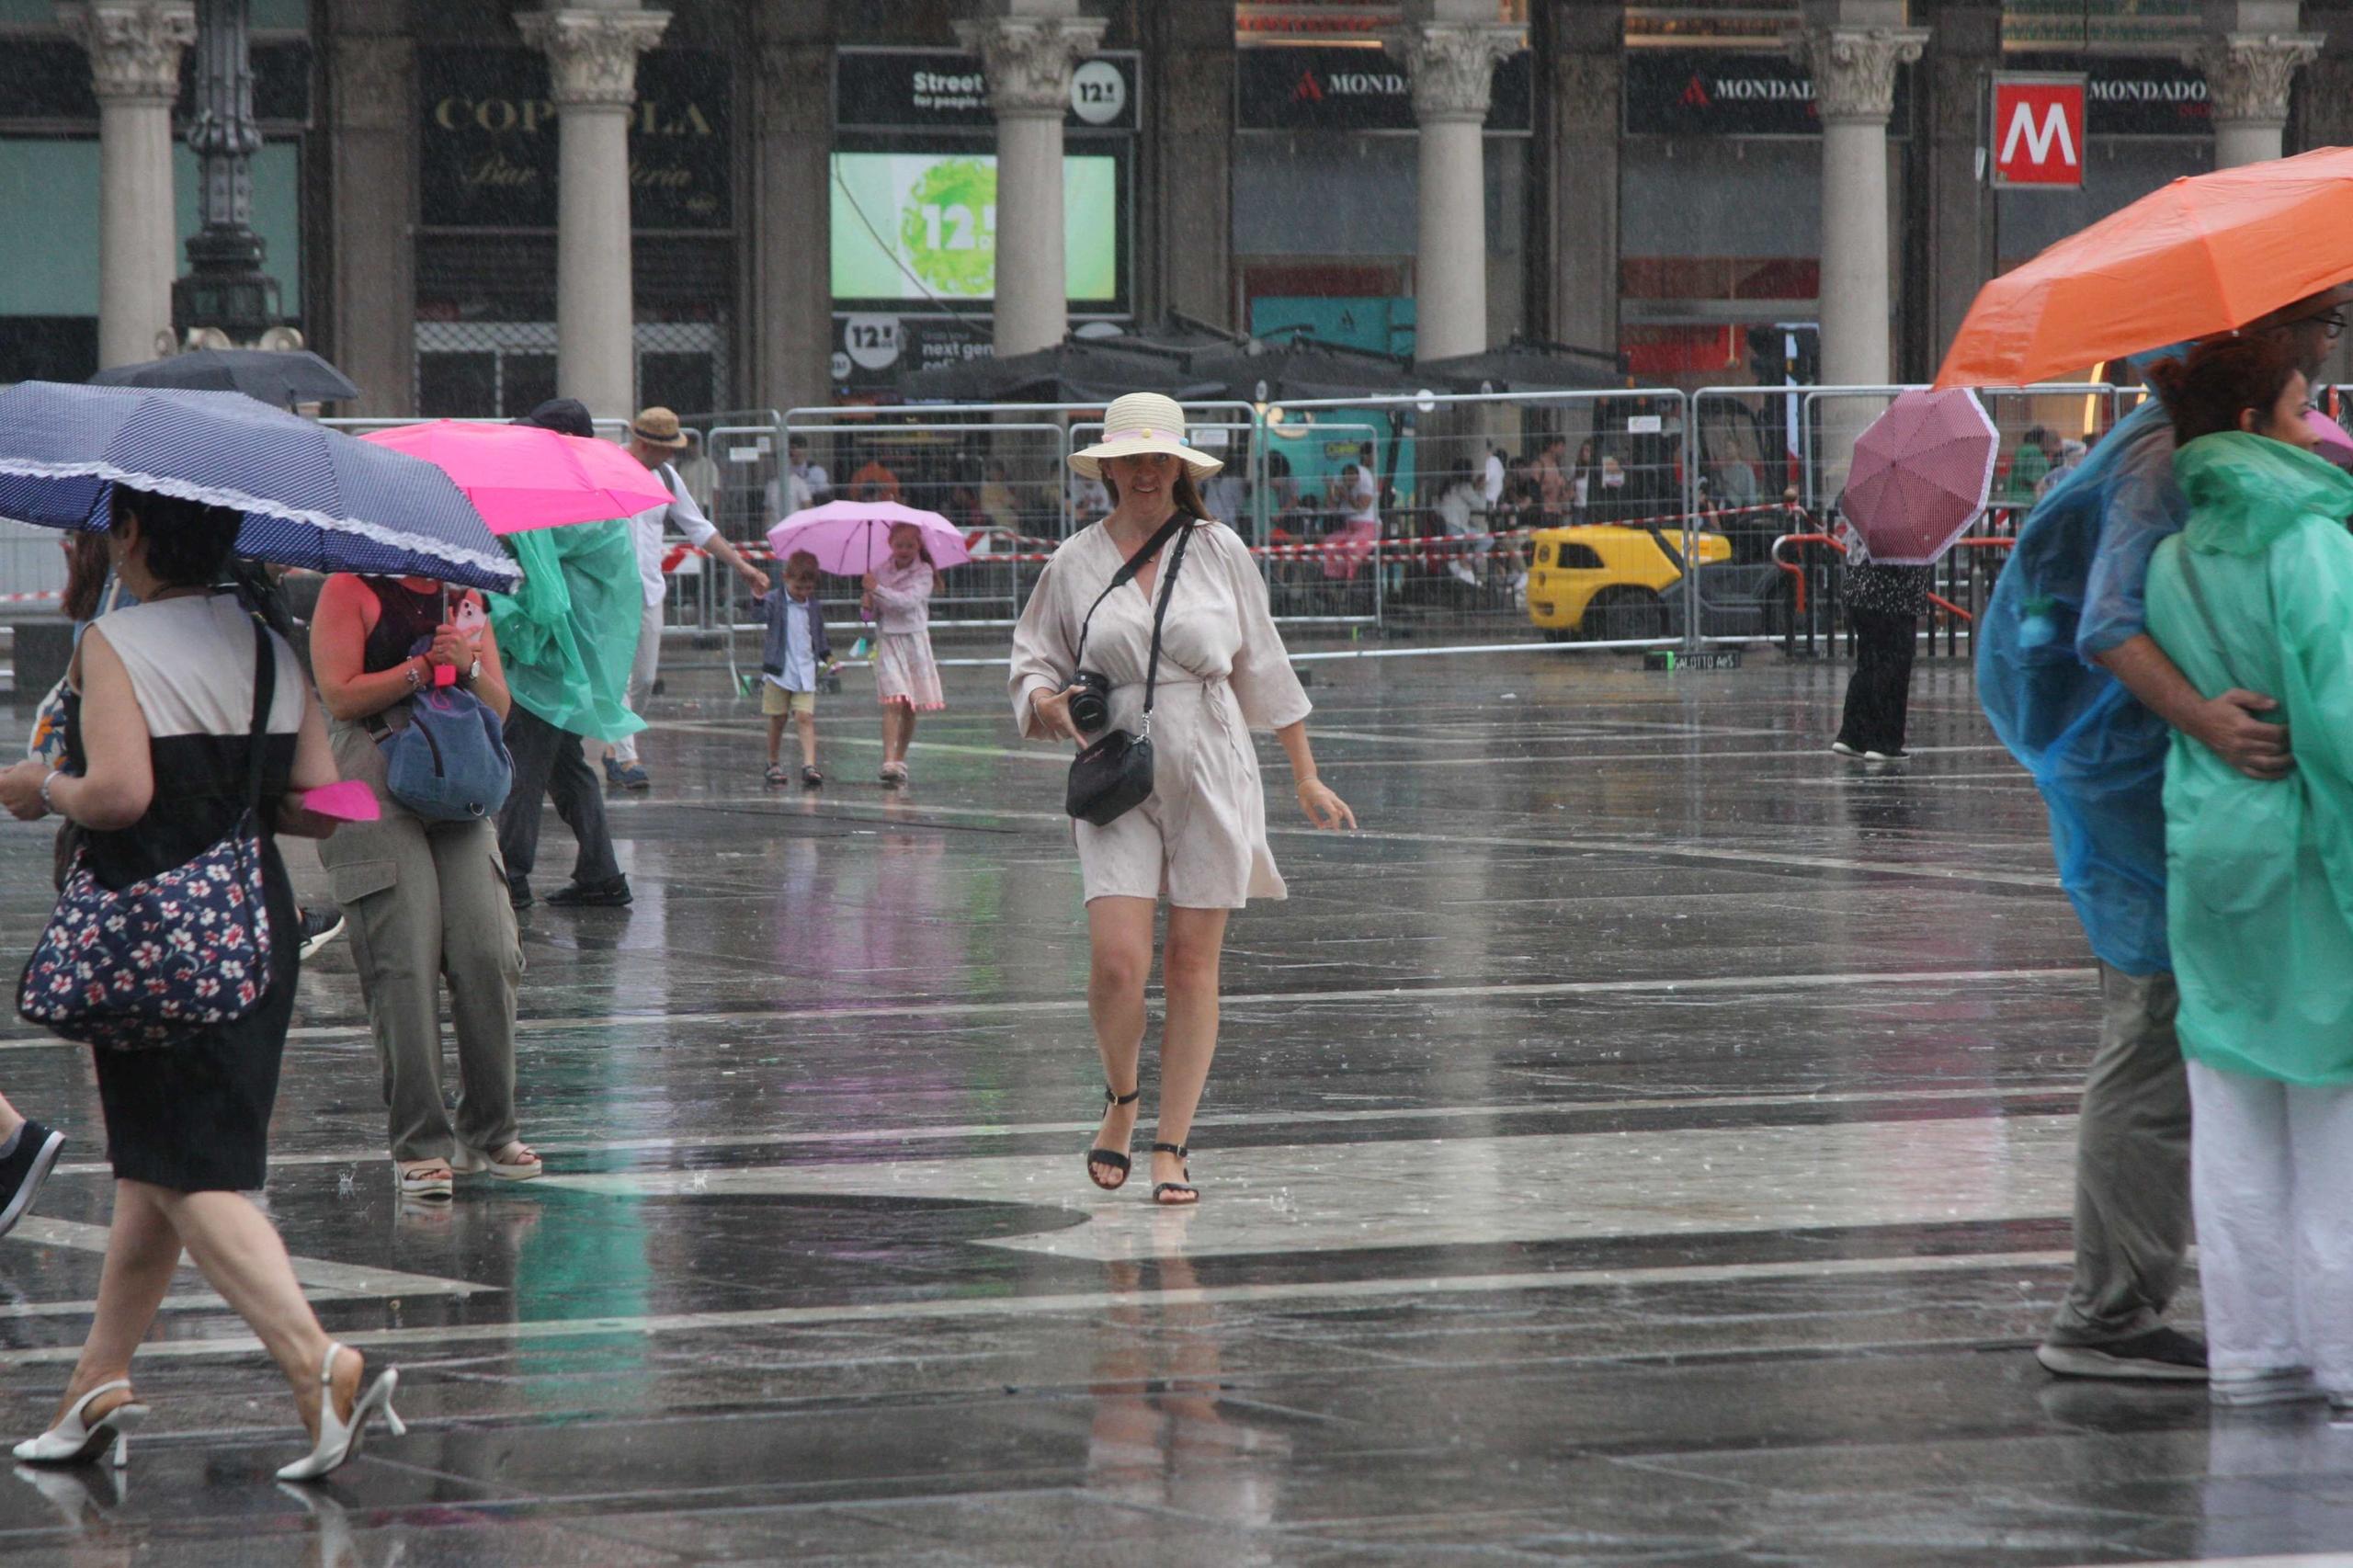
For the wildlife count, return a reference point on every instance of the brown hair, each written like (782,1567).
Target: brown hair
(921,547)
(86,576)
(1185,492)
(2222,378)
(800,563)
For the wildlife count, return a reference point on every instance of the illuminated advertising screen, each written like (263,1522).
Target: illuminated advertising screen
(917,227)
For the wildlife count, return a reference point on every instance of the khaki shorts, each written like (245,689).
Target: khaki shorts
(775,702)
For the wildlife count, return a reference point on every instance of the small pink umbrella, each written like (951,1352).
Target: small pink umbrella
(2336,445)
(520,477)
(1920,475)
(850,538)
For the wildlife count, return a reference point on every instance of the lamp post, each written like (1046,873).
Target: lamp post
(226,299)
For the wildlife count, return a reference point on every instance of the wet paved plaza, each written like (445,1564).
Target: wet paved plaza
(1647,1142)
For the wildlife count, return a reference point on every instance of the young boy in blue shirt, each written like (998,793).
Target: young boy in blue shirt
(794,650)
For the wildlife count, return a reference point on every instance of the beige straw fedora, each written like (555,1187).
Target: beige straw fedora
(1140,423)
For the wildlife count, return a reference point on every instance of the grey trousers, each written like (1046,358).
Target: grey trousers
(641,672)
(549,766)
(2132,1168)
(427,903)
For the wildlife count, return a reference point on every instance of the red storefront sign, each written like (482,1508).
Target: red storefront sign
(2038,131)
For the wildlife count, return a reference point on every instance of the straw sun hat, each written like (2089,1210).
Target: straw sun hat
(1140,423)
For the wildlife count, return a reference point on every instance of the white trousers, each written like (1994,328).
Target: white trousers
(641,677)
(2272,1184)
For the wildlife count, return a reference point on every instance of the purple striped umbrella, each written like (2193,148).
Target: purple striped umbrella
(1920,475)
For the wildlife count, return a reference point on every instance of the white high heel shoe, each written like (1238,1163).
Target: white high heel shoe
(339,1439)
(72,1442)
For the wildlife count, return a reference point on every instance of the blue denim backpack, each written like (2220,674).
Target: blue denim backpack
(452,763)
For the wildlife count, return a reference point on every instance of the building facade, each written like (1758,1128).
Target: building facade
(798,198)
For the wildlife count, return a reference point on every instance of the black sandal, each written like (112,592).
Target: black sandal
(1181,1151)
(1113,1159)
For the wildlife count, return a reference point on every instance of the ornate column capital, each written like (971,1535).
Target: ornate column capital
(2248,74)
(1029,60)
(134,45)
(593,53)
(374,81)
(1854,69)
(1452,65)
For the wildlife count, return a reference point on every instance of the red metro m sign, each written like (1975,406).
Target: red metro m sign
(2038,131)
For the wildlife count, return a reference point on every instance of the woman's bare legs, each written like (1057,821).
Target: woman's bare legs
(240,1255)
(1188,976)
(142,1251)
(9,1119)
(1119,934)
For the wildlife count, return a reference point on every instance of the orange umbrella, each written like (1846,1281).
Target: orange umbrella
(2200,255)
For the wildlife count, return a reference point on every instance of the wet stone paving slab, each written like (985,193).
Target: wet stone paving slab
(1647,1142)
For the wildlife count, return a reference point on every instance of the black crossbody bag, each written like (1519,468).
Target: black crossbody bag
(1113,776)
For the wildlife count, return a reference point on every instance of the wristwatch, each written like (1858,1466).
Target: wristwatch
(415,677)
(47,804)
(473,672)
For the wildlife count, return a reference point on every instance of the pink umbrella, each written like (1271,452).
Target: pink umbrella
(520,477)
(1920,476)
(850,538)
(2336,445)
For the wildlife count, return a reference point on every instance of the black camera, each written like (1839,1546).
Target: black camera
(1090,704)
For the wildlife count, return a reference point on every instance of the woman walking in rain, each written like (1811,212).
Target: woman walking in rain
(1158,577)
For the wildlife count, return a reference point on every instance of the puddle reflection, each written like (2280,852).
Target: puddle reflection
(1165,1434)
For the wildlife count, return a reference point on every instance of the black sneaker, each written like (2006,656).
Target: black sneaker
(320,926)
(24,1169)
(2162,1354)
(614,894)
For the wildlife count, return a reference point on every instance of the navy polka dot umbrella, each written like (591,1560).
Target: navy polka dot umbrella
(311,497)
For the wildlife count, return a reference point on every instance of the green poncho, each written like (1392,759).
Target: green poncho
(569,633)
(2260,898)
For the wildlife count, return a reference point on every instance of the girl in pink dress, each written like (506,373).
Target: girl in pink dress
(898,597)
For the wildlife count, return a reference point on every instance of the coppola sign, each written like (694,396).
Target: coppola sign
(487,157)
(1713,92)
(1298,87)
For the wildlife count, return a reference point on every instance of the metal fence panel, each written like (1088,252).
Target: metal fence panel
(1496,517)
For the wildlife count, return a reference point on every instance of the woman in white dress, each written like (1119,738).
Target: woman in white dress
(1199,841)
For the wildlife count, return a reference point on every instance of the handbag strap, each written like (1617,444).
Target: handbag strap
(265,698)
(1126,574)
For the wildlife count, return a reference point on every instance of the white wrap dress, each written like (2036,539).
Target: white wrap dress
(1200,839)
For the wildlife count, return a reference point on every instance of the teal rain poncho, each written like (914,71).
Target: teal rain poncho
(2262,873)
(569,634)
(2073,589)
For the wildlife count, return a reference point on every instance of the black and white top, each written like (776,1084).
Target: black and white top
(191,666)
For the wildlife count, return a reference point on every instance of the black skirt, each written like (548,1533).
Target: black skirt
(195,1117)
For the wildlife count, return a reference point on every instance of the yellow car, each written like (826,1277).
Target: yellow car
(1607,581)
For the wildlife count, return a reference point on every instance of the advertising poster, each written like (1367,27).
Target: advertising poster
(921,226)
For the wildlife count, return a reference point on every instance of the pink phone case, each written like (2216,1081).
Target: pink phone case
(349,801)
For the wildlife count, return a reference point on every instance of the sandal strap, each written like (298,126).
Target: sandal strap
(1129,1098)
(1111,1157)
(1180,1150)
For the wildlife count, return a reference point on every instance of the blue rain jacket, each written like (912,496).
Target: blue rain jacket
(2075,587)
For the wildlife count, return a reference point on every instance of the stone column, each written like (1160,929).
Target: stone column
(1452,63)
(1189,248)
(593,56)
(1854,87)
(1964,50)
(134,49)
(1588,84)
(2248,76)
(1029,56)
(2325,119)
(793,291)
(370,317)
